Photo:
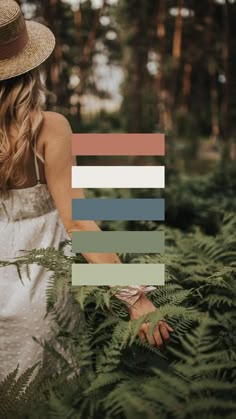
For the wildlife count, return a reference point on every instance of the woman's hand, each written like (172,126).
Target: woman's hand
(161,331)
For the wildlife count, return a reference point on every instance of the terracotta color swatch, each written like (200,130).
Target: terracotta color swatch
(118,144)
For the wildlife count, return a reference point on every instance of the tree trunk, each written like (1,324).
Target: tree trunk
(164,116)
(87,50)
(176,54)
(225,103)
(137,76)
(215,128)
(212,71)
(177,41)
(52,66)
(186,87)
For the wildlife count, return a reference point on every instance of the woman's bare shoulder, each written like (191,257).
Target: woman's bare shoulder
(56,131)
(56,122)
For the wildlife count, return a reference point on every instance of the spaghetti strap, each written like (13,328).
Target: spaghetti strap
(36,164)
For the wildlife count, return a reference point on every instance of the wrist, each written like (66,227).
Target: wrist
(132,294)
(139,301)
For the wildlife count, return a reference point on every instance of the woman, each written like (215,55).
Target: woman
(36,193)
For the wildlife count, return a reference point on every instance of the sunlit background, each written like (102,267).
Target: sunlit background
(138,66)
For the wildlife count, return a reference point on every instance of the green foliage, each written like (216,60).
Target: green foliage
(102,369)
(201,200)
(103,122)
(18,393)
(98,365)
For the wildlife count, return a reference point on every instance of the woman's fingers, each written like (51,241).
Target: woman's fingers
(142,335)
(157,337)
(149,337)
(164,332)
(169,328)
(160,333)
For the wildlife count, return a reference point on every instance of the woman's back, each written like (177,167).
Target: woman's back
(28,219)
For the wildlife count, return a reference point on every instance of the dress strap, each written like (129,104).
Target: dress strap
(36,164)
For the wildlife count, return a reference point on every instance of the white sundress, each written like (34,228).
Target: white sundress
(28,220)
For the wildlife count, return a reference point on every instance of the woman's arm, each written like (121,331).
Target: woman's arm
(84,225)
(58,161)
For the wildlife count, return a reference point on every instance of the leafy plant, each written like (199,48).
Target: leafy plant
(102,369)
(97,367)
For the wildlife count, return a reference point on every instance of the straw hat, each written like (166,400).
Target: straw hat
(24,45)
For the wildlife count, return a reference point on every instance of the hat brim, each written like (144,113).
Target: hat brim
(39,47)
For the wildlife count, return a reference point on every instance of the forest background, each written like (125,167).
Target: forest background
(142,66)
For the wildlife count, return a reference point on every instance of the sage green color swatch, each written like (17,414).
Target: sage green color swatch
(121,274)
(118,241)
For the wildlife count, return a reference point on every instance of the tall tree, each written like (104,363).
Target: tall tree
(225,101)
(164,115)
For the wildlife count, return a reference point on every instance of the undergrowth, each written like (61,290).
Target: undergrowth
(101,369)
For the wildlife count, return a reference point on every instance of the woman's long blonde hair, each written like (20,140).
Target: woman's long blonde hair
(21,108)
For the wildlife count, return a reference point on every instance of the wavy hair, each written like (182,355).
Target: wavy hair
(21,100)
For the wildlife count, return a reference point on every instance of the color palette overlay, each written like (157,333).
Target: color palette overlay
(123,274)
(118,209)
(118,241)
(145,209)
(118,145)
(118,177)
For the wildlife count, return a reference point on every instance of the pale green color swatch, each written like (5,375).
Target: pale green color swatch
(124,274)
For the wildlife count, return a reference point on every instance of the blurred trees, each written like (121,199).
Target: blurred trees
(177,59)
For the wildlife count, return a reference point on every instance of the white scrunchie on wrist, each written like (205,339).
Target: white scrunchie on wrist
(131,294)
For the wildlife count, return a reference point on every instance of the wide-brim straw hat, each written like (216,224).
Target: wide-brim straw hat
(24,45)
